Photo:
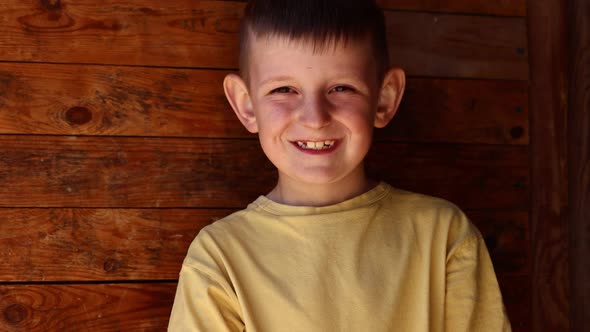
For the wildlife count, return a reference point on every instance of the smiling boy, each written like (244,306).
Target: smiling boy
(329,249)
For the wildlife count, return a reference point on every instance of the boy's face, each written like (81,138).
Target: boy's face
(314,111)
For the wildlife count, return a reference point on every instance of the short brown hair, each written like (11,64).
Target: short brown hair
(319,22)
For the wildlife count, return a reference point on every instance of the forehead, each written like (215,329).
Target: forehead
(270,55)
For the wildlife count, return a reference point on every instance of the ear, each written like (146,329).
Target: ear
(236,92)
(390,96)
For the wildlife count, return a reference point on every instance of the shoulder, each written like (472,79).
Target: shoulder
(440,218)
(212,242)
(223,225)
(221,230)
(418,205)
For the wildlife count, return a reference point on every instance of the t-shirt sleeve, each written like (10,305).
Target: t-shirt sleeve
(473,301)
(204,303)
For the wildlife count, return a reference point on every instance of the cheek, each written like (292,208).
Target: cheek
(271,125)
(357,116)
(275,115)
(351,102)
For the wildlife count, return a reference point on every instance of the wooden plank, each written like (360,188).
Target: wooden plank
(50,171)
(132,32)
(482,7)
(548,107)
(53,171)
(97,244)
(443,45)
(579,161)
(473,177)
(100,100)
(204,34)
(150,244)
(462,111)
(103,307)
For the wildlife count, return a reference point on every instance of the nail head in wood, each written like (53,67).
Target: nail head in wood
(111,265)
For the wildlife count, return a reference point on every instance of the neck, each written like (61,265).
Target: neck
(291,192)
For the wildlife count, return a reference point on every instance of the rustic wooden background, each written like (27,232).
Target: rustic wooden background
(117,146)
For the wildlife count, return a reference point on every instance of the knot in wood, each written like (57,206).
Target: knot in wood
(51,4)
(517,132)
(78,115)
(15,313)
(111,265)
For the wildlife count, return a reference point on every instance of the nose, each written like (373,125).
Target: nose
(315,112)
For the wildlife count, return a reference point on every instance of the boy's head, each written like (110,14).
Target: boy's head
(320,24)
(314,84)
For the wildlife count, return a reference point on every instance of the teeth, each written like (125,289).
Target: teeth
(323,145)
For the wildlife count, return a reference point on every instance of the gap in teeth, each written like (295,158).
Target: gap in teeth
(315,145)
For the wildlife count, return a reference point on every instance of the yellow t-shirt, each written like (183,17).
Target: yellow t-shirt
(387,260)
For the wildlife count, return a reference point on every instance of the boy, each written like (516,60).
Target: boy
(329,249)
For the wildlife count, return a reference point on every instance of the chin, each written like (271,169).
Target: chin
(320,178)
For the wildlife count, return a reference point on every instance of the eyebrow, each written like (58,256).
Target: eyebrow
(276,80)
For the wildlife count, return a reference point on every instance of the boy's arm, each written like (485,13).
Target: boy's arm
(203,303)
(473,301)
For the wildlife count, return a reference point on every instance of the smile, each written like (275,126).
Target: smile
(321,145)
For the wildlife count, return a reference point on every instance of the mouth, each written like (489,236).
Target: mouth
(316,145)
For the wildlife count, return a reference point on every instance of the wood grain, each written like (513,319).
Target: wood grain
(54,171)
(485,7)
(579,161)
(548,107)
(150,244)
(444,45)
(204,34)
(474,177)
(132,32)
(97,244)
(461,111)
(114,101)
(50,171)
(118,101)
(102,307)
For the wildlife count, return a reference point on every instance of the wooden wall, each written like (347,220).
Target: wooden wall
(579,160)
(117,146)
(547,29)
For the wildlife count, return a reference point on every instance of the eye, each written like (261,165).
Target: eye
(342,88)
(283,89)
